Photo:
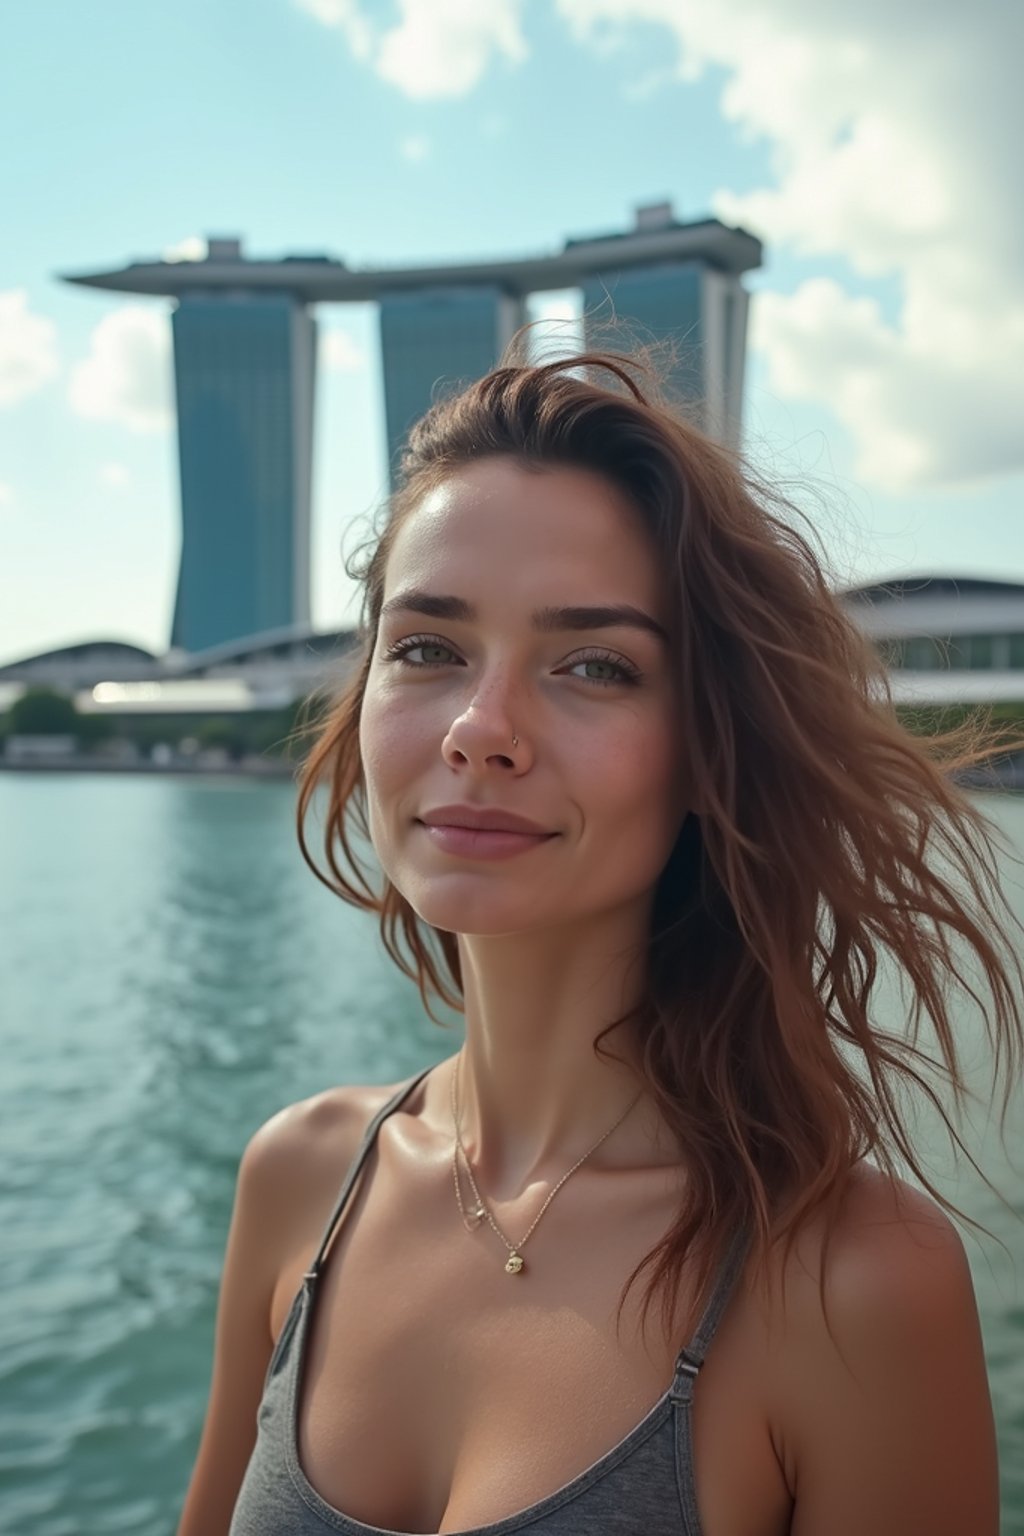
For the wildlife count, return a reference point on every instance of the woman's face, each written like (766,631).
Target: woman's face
(599,760)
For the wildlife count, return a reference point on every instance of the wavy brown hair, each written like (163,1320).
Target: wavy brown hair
(811,858)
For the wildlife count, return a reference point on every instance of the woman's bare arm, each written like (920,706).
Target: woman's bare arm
(900,1440)
(243,1343)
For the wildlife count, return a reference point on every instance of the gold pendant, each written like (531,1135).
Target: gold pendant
(514,1265)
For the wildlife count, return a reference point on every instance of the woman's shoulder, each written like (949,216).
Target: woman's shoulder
(901,1325)
(318,1129)
(887,1239)
(886,1232)
(299,1156)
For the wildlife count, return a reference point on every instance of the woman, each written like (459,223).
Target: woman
(645,812)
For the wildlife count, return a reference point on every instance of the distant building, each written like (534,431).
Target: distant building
(946,639)
(39,749)
(267,671)
(698,304)
(244,354)
(244,375)
(436,334)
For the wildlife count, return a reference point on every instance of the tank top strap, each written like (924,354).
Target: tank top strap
(691,1356)
(362,1152)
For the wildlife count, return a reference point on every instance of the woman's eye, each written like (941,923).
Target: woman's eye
(625,674)
(401,650)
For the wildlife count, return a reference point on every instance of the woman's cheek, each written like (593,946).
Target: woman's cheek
(380,729)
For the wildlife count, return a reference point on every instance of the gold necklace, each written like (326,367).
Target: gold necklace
(514,1264)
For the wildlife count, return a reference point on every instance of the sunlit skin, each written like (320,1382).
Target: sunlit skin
(552,941)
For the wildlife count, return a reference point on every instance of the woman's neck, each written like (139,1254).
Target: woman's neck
(533,1094)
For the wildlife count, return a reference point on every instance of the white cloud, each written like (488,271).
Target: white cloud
(443,47)
(192,248)
(890,129)
(437,48)
(339,352)
(114,474)
(127,377)
(922,409)
(415,147)
(28,348)
(893,148)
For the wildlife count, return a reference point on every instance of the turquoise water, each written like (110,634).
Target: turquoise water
(171,974)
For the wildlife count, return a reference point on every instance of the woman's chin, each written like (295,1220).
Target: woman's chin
(471,914)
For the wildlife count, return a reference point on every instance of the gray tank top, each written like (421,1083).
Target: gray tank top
(642,1487)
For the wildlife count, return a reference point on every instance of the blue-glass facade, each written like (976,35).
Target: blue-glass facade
(437,337)
(245,344)
(651,303)
(702,312)
(244,375)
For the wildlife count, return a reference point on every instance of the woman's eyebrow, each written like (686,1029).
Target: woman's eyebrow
(546,620)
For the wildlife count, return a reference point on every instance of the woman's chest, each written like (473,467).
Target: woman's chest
(439,1393)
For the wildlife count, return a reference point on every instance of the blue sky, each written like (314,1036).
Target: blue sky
(873,153)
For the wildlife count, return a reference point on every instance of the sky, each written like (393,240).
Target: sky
(873,148)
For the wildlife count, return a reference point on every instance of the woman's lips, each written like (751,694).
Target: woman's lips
(477,843)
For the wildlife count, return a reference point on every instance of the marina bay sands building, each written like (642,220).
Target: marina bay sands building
(245,376)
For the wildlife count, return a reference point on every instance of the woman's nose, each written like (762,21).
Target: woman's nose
(478,735)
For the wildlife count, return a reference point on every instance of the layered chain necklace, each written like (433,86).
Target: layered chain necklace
(472,1219)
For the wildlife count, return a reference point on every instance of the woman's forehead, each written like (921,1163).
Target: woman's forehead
(501,514)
